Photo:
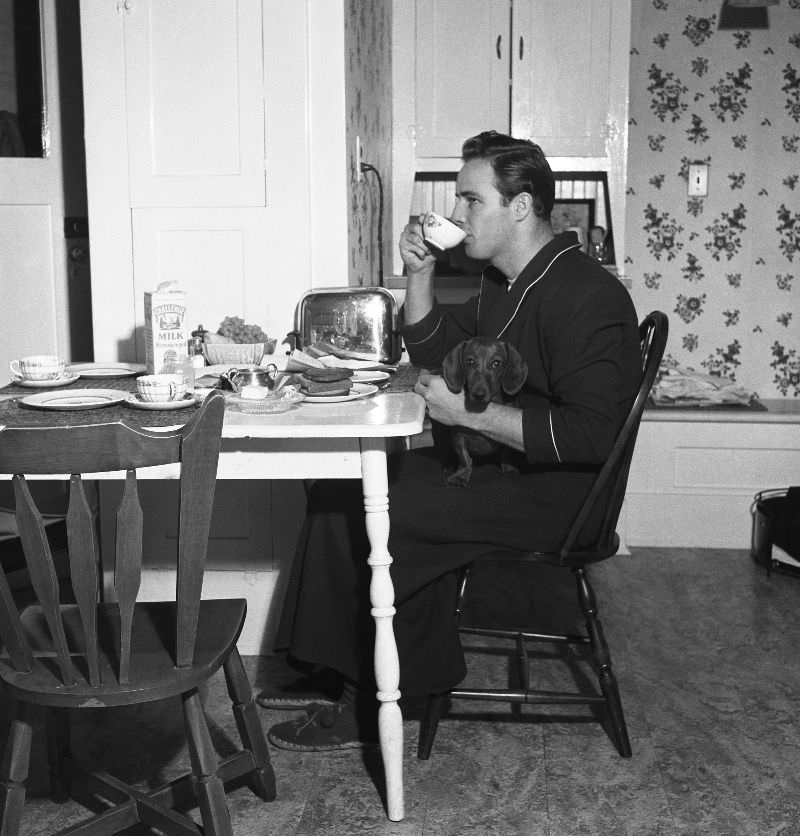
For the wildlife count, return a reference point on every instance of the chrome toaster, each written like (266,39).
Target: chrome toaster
(355,322)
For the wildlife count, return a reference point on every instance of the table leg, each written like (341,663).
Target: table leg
(387,664)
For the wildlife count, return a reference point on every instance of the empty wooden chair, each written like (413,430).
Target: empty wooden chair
(609,487)
(60,657)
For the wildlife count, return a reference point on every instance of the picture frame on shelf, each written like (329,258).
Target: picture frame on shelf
(573,213)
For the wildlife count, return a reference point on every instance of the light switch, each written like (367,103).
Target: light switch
(698,180)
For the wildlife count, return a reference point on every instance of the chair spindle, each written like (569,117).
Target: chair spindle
(128,567)
(42,573)
(84,558)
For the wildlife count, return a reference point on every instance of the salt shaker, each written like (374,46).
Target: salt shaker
(196,350)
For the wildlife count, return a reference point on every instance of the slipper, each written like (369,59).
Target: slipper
(323,687)
(325,728)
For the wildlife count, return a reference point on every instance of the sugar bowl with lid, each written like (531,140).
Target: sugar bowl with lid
(238,378)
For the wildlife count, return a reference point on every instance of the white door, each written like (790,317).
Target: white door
(216,157)
(39,291)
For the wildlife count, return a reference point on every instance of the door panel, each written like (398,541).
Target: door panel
(215,255)
(195,127)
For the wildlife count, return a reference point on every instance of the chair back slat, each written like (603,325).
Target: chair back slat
(84,558)
(128,567)
(42,573)
(57,629)
(12,634)
(198,475)
(612,479)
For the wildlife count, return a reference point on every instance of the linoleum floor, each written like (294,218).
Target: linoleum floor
(705,647)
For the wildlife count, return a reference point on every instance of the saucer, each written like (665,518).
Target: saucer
(97,371)
(64,380)
(135,401)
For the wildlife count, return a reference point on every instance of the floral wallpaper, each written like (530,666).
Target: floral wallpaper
(368,85)
(724,267)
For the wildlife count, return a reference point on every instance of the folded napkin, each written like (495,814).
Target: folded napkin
(684,386)
(301,360)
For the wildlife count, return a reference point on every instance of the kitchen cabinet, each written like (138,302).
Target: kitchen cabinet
(560,73)
(534,68)
(694,473)
(462,72)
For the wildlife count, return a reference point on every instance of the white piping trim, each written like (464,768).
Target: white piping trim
(552,434)
(528,288)
(425,339)
(480,299)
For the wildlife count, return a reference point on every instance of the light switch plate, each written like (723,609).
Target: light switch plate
(698,180)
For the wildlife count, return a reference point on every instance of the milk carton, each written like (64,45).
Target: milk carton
(165,325)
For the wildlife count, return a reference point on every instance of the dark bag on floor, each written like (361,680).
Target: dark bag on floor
(776,521)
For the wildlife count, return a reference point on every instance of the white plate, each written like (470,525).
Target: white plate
(45,384)
(357,390)
(370,377)
(136,401)
(76,399)
(96,371)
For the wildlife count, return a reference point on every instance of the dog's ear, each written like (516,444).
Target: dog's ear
(515,372)
(453,369)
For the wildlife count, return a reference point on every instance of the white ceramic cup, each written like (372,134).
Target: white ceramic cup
(160,388)
(441,232)
(38,367)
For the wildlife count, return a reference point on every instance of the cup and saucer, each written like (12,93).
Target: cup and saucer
(41,371)
(161,391)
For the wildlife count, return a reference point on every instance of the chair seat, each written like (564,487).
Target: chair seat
(575,557)
(153,674)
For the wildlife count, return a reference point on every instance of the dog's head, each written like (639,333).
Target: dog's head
(487,368)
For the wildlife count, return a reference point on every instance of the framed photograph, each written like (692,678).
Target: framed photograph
(573,212)
(577,186)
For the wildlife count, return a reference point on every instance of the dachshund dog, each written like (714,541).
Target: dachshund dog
(487,371)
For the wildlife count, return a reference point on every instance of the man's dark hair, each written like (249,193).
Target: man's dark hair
(519,166)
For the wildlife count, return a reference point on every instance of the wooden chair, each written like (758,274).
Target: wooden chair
(60,657)
(609,486)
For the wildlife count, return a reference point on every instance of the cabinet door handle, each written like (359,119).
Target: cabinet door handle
(521,47)
(497,46)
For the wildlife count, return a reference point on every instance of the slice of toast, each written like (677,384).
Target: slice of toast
(325,387)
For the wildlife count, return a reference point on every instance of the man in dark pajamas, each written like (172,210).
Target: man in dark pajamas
(576,328)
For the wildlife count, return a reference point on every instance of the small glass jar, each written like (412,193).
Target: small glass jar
(175,364)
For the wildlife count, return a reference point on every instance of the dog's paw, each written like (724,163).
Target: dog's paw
(457,478)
